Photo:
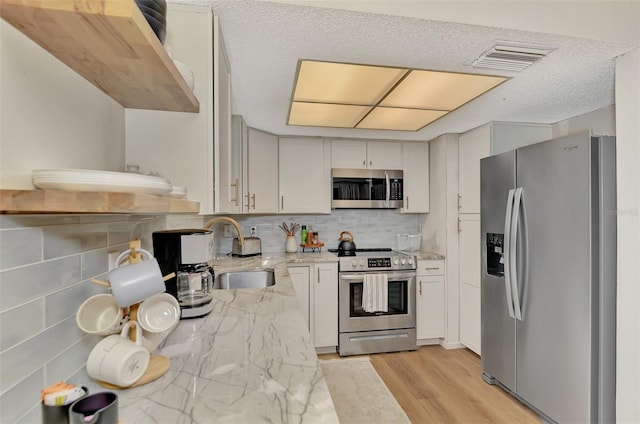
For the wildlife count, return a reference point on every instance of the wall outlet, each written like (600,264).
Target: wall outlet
(228,231)
(112,259)
(254,231)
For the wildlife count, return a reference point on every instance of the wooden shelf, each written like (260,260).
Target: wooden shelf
(110,44)
(61,201)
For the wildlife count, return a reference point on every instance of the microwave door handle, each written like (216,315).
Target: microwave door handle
(388,184)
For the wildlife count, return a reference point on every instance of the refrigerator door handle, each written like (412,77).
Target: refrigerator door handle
(507,253)
(513,237)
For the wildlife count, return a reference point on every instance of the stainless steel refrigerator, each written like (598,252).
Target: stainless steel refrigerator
(548,227)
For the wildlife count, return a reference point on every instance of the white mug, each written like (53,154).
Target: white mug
(118,360)
(101,315)
(159,313)
(133,283)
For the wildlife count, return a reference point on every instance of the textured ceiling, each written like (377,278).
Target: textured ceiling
(265,40)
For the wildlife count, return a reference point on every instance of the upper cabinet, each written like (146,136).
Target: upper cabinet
(191,150)
(304,175)
(110,44)
(490,139)
(416,177)
(260,172)
(366,154)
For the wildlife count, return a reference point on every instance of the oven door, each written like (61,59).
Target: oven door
(401,305)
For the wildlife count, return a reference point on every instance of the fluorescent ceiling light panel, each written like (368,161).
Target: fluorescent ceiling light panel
(439,90)
(343,83)
(344,95)
(326,115)
(386,118)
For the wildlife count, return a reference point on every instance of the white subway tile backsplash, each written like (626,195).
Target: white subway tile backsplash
(19,324)
(71,239)
(97,261)
(70,361)
(20,247)
(65,303)
(21,360)
(20,285)
(18,400)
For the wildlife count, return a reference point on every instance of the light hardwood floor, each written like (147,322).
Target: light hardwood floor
(435,385)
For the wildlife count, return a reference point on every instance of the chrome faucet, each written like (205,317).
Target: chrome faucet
(231,221)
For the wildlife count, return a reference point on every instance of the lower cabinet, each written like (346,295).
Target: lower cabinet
(430,299)
(317,287)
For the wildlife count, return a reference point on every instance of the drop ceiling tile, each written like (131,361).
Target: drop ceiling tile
(384,118)
(439,90)
(344,83)
(326,115)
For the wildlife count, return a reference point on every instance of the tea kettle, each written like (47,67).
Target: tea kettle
(346,242)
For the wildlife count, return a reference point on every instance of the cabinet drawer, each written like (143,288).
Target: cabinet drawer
(430,267)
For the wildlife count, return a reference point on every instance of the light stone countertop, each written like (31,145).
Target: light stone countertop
(250,360)
(421,254)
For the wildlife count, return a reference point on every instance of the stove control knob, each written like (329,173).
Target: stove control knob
(403,261)
(362,262)
(354,263)
(395,260)
(410,261)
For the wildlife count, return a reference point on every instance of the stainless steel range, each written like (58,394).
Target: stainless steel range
(392,325)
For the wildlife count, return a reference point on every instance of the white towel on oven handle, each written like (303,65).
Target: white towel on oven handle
(375,293)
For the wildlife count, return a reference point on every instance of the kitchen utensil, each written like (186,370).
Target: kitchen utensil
(101,315)
(158,366)
(118,360)
(159,313)
(346,242)
(98,408)
(135,282)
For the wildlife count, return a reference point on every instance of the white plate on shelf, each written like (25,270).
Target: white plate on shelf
(177,192)
(103,181)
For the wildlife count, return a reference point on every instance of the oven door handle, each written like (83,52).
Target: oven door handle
(394,275)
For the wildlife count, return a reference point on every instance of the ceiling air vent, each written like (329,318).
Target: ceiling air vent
(511,56)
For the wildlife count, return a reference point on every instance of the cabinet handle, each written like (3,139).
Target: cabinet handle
(459,225)
(407,202)
(318,275)
(281,203)
(235,199)
(247,196)
(420,287)
(364,162)
(459,202)
(370,162)
(253,201)
(432,268)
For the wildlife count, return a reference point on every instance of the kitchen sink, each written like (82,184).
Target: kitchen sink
(244,279)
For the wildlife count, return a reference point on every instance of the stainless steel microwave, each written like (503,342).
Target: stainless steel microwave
(366,188)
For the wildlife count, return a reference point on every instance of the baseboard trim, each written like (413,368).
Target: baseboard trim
(326,349)
(449,346)
(425,342)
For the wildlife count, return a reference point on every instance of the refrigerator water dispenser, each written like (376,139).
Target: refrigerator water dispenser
(495,254)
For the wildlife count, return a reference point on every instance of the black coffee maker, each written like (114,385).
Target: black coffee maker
(186,252)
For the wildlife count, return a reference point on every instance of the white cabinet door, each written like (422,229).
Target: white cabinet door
(430,306)
(324,322)
(238,140)
(261,192)
(363,154)
(223,149)
(472,146)
(469,260)
(416,177)
(300,279)
(185,147)
(385,155)
(470,317)
(303,182)
(350,154)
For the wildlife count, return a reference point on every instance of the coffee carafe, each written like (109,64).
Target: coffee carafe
(187,253)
